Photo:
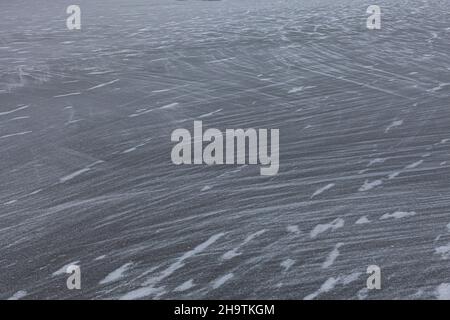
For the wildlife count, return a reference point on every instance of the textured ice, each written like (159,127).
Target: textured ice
(367,112)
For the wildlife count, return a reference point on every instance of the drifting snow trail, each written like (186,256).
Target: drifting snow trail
(67,95)
(370,185)
(233,253)
(287,264)
(102,85)
(117,274)
(169,106)
(397,215)
(414,165)
(332,282)
(15,134)
(79,172)
(335,224)
(394,124)
(14,110)
(362,220)
(332,256)
(443,291)
(185,286)
(221,280)
(149,288)
(18,295)
(323,189)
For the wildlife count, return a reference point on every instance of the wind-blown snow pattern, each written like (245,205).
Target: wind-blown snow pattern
(85,123)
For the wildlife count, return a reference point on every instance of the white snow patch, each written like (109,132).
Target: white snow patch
(102,85)
(350,278)
(414,165)
(233,253)
(74,174)
(18,295)
(394,175)
(129,150)
(377,160)
(179,263)
(168,106)
(370,185)
(230,254)
(394,124)
(362,220)
(332,256)
(78,172)
(209,114)
(160,91)
(323,189)
(35,192)
(443,291)
(397,215)
(143,292)
(326,287)
(67,95)
(185,286)
(140,113)
(444,251)
(116,274)
(296,89)
(14,110)
(15,134)
(441,85)
(320,228)
(363,293)
(293,229)
(18,118)
(287,264)
(331,283)
(100,72)
(220,281)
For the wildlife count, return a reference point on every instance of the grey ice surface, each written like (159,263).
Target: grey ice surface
(86,175)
